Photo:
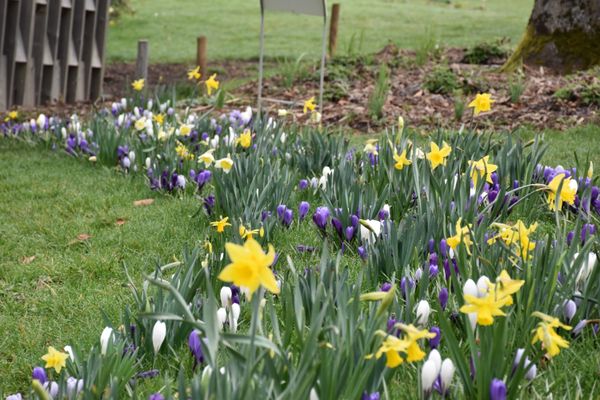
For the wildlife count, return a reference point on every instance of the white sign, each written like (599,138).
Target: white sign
(310,7)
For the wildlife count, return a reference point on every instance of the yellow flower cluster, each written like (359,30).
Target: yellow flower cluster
(407,348)
(516,235)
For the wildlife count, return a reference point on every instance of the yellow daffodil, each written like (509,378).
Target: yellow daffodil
(55,359)
(438,156)
(250,267)
(138,85)
(567,191)
(546,333)
(13,115)
(413,335)
(140,124)
(309,105)
(248,233)
(481,103)
(391,347)
(371,147)
(207,158)
(482,168)
(486,308)
(194,74)
(461,236)
(208,246)
(401,160)
(183,152)
(517,235)
(505,287)
(159,119)
(220,224)
(225,164)
(211,84)
(245,139)
(185,129)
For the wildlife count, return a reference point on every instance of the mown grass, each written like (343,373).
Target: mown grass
(232,27)
(47,199)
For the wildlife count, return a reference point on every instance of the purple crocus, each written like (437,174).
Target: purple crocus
(209,203)
(349,232)
(370,396)
(156,396)
(39,374)
(386,286)
(497,389)
(303,184)
(288,217)
(280,210)
(443,297)
(195,345)
(320,217)
(339,228)
(362,252)
(435,341)
(303,210)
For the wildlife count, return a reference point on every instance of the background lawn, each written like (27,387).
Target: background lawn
(232,27)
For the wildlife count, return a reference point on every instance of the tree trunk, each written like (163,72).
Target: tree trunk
(563,35)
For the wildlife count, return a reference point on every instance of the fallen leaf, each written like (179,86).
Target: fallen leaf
(144,202)
(27,260)
(120,221)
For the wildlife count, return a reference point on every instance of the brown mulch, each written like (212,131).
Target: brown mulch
(347,97)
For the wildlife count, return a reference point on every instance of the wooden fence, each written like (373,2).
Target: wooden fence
(51,50)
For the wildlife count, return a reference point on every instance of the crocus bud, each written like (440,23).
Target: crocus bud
(74,387)
(39,373)
(156,396)
(362,252)
(422,312)
(159,332)
(579,327)
(418,274)
(52,388)
(235,316)
(105,338)
(16,396)
(531,373)
(195,345)
(225,296)
(435,356)
(221,317)
(569,309)
(470,288)
(497,390)
(429,374)
(443,297)
(435,341)
(483,284)
(446,374)
(303,210)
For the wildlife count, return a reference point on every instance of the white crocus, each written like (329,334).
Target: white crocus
(370,229)
(235,316)
(588,265)
(446,374)
(483,283)
(221,317)
(423,310)
(105,339)
(226,296)
(428,375)
(69,350)
(470,288)
(159,332)
(434,355)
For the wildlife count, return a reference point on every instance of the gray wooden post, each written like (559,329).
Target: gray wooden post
(3,65)
(141,67)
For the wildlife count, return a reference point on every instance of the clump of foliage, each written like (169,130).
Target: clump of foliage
(441,80)
(588,93)
(516,87)
(379,95)
(485,53)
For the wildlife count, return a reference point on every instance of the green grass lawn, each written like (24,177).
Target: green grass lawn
(232,27)
(47,199)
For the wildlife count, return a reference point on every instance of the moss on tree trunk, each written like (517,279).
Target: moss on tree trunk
(563,35)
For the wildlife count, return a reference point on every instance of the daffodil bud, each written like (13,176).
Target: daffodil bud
(282,113)
(428,375)
(590,172)
(226,296)
(422,312)
(400,124)
(159,332)
(446,374)
(105,339)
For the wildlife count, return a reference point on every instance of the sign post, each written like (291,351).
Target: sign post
(308,7)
